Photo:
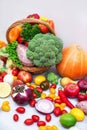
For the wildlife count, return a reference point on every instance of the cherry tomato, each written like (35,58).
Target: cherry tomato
(39,89)
(53,86)
(71,90)
(28,121)
(3,74)
(41,123)
(49,98)
(35,118)
(58,101)
(32,103)
(64,111)
(1,78)
(57,111)
(20,110)
(43,28)
(20,39)
(15,71)
(48,117)
(34,95)
(15,117)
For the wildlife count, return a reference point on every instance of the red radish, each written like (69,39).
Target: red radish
(20,110)
(44,106)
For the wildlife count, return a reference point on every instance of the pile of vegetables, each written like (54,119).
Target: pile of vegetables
(44,49)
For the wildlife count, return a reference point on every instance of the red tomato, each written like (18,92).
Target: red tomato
(71,90)
(15,117)
(57,111)
(28,121)
(20,39)
(20,110)
(35,118)
(64,111)
(16,83)
(15,71)
(53,86)
(1,78)
(58,101)
(41,123)
(32,103)
(49,98)
(39,89)
(48,117)
(43,28)
(3,74)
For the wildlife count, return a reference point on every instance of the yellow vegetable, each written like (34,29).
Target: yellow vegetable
(42,128)
(48,127)
(54,128)
(52,91)
(39,79)
(78,114)
(5,106)
(65,80)
(43,95)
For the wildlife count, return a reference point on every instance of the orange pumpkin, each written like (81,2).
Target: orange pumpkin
(74,62)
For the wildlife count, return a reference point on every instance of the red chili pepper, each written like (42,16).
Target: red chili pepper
(20,110)
(28,121)
(15,117)
(65,99)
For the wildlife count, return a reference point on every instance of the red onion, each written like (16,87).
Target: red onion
(44,106)
(22,94)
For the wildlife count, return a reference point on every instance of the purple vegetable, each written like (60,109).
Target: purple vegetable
(22,94)
(21,52)
(44,106)
(82,83)
(82,105)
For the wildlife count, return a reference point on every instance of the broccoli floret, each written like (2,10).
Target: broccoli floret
(52,78)
(45,50)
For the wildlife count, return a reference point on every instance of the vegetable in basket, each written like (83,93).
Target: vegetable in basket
(45,50)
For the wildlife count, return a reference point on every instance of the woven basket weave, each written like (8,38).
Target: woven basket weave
(34,69)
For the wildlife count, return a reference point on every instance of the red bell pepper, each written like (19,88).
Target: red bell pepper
(82,96)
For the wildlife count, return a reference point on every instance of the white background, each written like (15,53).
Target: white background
(70,17)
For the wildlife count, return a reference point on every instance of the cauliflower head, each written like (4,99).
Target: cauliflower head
(45,50)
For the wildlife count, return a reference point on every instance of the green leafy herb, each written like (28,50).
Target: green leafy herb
(29,31)
(37,93)
(11,50)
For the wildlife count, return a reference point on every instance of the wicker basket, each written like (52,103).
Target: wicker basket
(34,69)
